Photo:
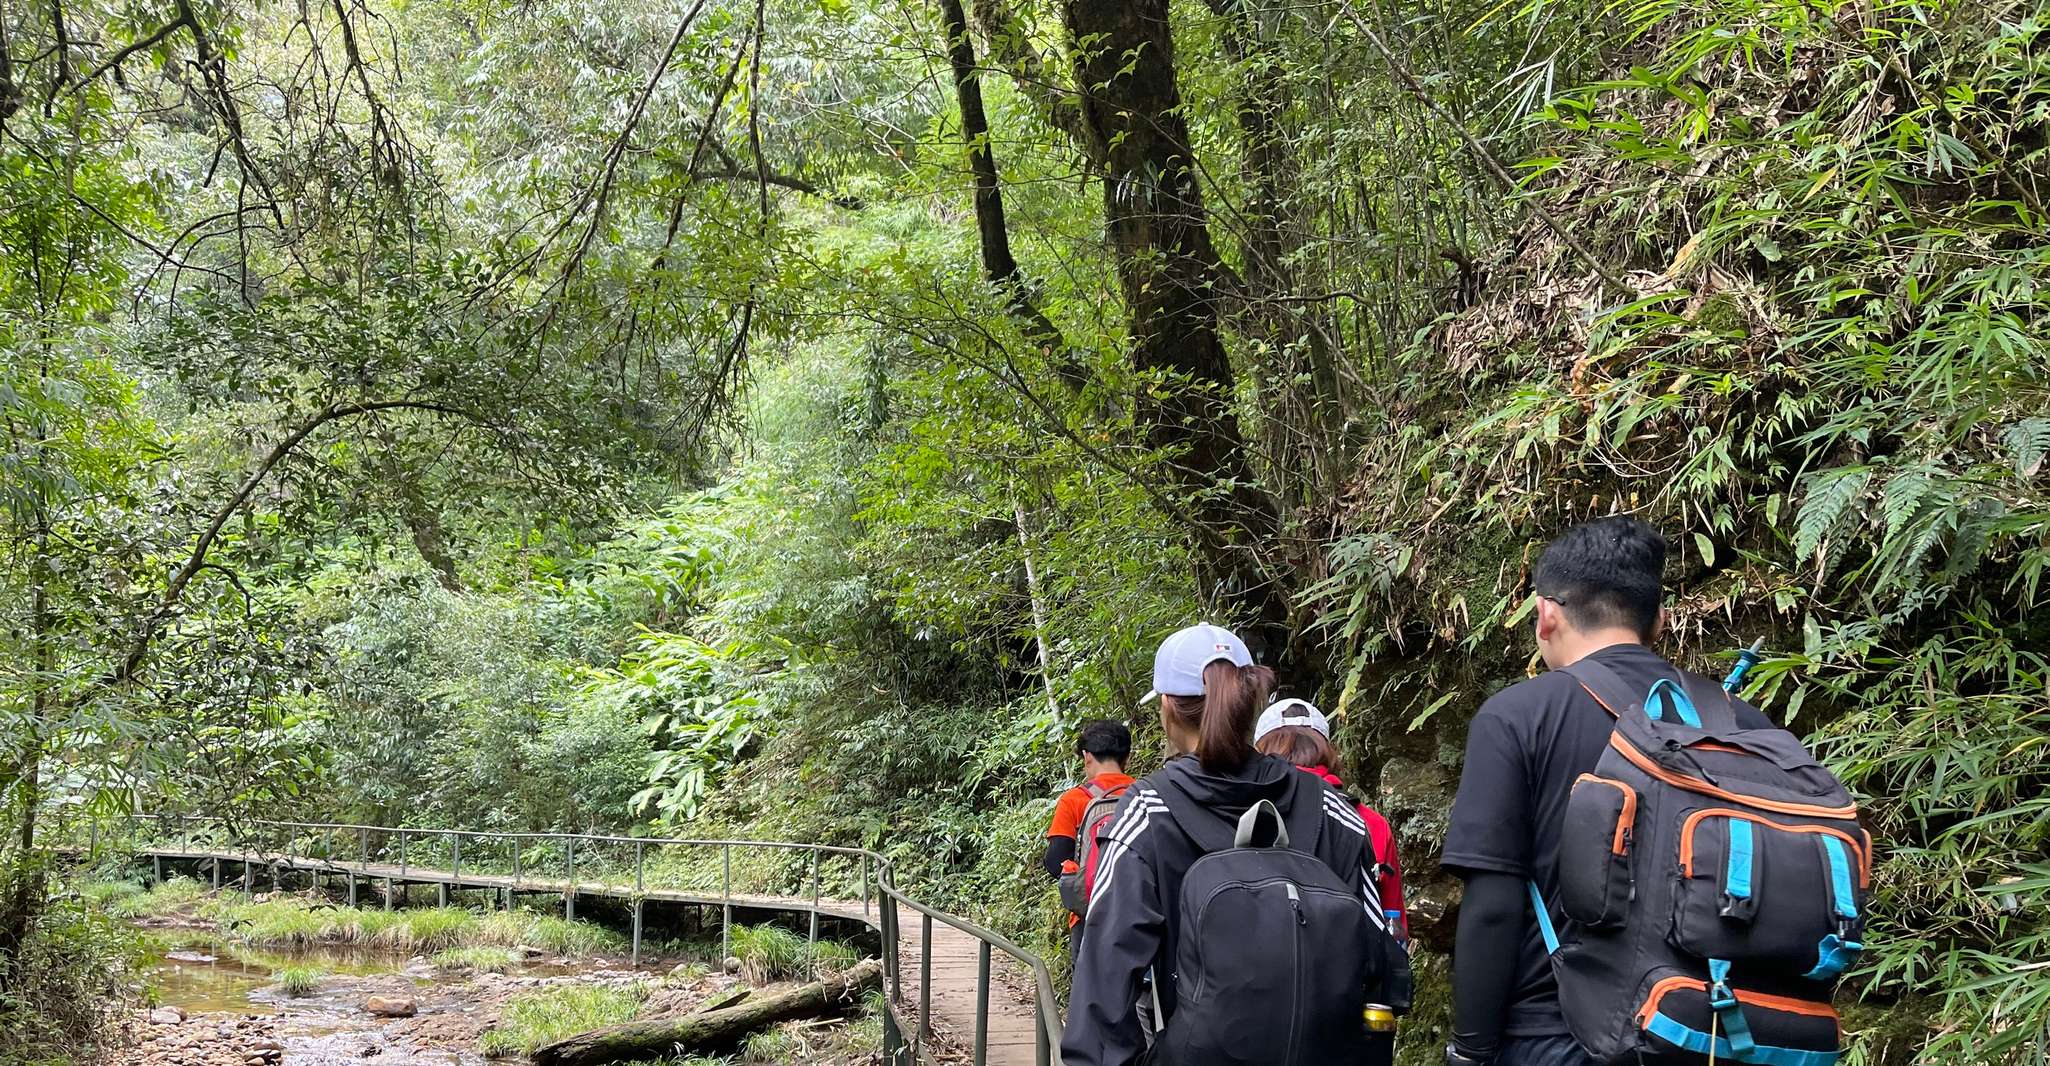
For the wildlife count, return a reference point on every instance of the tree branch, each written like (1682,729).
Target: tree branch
(991,229)
(122,56)
(1487,159)
(196,560)
(782,181)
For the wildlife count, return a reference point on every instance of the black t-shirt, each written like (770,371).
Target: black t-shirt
(1525,748)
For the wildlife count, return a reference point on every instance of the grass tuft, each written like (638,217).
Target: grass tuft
(834,956)
(296,981)
(478,958)
(432,930)
(108,893)
(543,1017)
(178,894)
(769,1046)
(283,922)
(768,953)
(564,937)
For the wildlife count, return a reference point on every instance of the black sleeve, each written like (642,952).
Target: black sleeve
(1491,829)
(1058,851)
(1486,961)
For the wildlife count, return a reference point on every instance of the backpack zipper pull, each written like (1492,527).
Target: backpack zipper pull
(1295,903)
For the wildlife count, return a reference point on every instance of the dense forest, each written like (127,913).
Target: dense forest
(789,418)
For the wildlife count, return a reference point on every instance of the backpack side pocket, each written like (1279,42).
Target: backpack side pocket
(1595,884)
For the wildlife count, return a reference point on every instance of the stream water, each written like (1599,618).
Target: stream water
(216,984)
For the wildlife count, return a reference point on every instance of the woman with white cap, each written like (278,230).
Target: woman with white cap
(1297,731)
(1242,885)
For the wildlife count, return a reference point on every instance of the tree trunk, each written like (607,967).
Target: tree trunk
(1298,386)
(1053,703)
(712,1030)
(422,519)
(24,887)
(991,231)
(1032,72)
(1171,279)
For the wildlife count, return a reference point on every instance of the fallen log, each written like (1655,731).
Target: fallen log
(712,1030)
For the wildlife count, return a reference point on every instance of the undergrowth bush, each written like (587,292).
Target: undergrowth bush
(768,953)
(1819,365)
(76,969)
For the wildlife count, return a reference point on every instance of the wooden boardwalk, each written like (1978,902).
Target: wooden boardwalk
(956,961)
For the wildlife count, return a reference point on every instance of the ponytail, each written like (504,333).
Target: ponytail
(1222,718)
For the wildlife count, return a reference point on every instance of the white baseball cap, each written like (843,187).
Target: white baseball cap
(1291,712)
(1178,665)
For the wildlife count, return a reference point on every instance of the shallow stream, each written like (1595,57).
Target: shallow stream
(217,983)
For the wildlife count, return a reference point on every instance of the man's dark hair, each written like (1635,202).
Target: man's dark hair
(1605,573)
(1105,739)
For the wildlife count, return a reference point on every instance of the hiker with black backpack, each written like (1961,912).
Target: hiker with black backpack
(1654,872)
(1084,811)
(1239,883)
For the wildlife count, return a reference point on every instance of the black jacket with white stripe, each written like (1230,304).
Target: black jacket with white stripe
(1132,924)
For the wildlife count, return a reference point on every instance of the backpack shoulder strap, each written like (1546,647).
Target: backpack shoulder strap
(1606,687)
(1683,699)
(1717,706)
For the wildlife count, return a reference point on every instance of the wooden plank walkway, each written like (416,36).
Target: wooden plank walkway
(955,964)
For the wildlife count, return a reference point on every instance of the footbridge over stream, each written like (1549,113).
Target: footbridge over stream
(956,991)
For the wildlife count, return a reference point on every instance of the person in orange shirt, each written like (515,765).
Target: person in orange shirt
(1103,746)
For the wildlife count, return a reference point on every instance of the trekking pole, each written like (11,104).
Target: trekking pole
(1746,659)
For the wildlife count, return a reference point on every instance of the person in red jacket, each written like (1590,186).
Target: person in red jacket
(1297,731)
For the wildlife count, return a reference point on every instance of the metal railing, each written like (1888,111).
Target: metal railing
(273,843)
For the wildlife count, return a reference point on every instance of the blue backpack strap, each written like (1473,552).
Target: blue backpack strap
(1544,919)
(1669,696)
(1687,1038)
(1723,1001)
(1838,951)
(1833,956)
(1841,885)
(1738,874)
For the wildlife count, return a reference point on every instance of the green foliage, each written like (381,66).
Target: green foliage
(75,973)
(532,1019)
(692,699)
(1825,398)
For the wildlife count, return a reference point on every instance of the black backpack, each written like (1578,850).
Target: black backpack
(1276,954)
(1713,881)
